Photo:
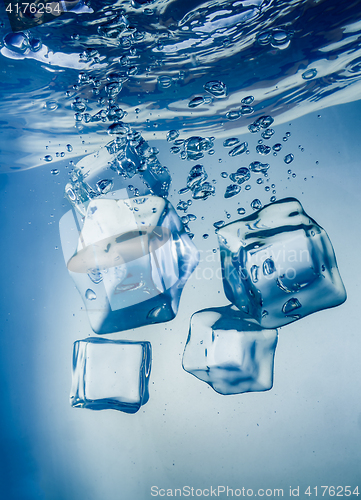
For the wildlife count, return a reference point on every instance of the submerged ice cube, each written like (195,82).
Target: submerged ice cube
(110,374)
(230,354)
(278,265)
(129,259)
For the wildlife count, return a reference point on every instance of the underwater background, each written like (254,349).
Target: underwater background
(63,85)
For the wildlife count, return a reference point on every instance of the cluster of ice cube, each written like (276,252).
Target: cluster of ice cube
(278,265)
(130,258)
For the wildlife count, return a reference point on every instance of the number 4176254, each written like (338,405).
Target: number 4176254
(332,491)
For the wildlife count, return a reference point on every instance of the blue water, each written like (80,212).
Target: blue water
(300,62)
(293,59)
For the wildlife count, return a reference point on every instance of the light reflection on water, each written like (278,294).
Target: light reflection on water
(293,58)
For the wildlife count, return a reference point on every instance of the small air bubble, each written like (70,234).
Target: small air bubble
(288,158)
(90,294)
(256,204)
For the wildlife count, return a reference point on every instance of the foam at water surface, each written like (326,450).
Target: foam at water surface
(278,265)
(110,374)
(130,261)
(230,354)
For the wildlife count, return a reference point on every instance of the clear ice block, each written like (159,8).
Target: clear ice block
(110,374)
(230,354)
(130,259)
(278,265)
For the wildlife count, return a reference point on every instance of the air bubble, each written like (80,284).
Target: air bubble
(239,149)
(232,190)
(310,73)
(233,115)
(164,82)
(196,101)
(242,175)
(264,121)
(268,267)
(258,167)
(90,294)
(246,110)
(291,305)
(78,105)
(268,133)
(228,143)
(262,149)
(254,273)
(172,135)
(253,128)
(51,105)
(256,204)
(288,158)
(216,88)
(247,100)
(17,42)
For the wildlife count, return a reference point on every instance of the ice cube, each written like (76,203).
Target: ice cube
(278,265)
(230,354)
(110,374)
(130,259)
